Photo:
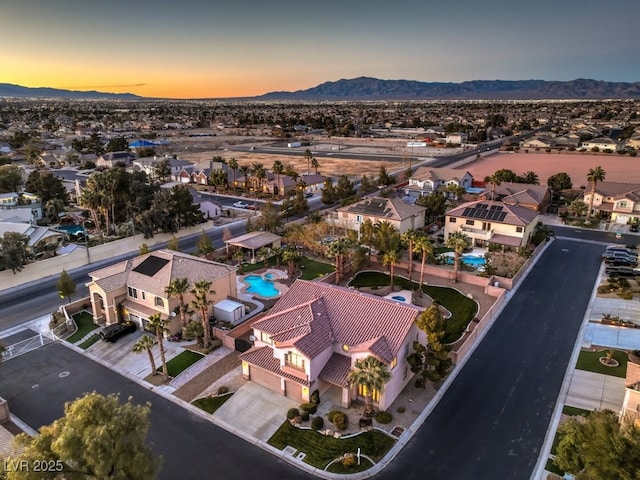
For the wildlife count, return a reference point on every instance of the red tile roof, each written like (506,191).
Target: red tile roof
(262,357)
(336,370)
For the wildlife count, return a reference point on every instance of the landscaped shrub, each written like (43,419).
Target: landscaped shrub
(315,397)
(348,460)
(625,295)
(292,413)
(401,409)
(305,415)
(340,420)
(384,417)
(222,390)
(317,423)
(330,415)
(309,407)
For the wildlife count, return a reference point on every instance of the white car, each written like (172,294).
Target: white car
(240,205)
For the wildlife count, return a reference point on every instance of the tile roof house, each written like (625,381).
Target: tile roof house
(426,180)
(400,214)
(134,289)
(534,197)
(110,159)
(489,221)
(602,144)
(614,201)
(315,332)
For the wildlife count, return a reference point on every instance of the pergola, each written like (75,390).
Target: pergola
(253,241)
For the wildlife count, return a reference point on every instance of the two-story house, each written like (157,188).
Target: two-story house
(489,221)
(135,289)
(427,180)
(533,197)
(400,214)
(109,159)
(617,202)
(602,144)
(314,334)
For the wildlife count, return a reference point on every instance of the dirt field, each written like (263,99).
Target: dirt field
(618,168)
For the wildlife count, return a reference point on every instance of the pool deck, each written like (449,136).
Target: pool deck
(276,277)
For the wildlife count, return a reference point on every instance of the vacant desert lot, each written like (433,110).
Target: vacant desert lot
(618,168)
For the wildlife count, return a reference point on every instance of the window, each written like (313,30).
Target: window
(133,293)
(393,363)
(452,220)
(265,338)
(362,391)
(359,219)
(519,229)
(470,222)
(159,302)
(144,295)
(101,302)
(623,204)
(294,360)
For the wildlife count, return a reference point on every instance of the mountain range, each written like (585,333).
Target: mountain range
(367,88)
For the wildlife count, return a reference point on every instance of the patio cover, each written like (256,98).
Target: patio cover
(506,240)
(254,240)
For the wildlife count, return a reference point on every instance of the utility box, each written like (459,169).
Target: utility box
(228,311)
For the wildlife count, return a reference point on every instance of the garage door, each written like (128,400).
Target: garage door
(136,319)
(293,390)
(265,378)
(622,219)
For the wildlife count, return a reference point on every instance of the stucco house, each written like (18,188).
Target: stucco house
(614,201)
(134,289)
(427,180)
(602,144)
(400,214)
(314,334)
(110,159)
(489,221)
(533,197)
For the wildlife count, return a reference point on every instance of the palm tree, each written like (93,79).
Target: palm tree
(390,259)
(368,235)
(233,165)
(245,169)
(387,235)
(278,169)
(458,241)
(337,250)
(424,245)
(370,374)
(594,176)
(260,173)
(315,164)
(158,325)
(408,238)
(177,288)
(494,181)
(291,255)
(145,344)
(308,155)
(531,178)
(201,302)
(194,330)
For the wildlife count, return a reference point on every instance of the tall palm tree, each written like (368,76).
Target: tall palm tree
(308,155)
(371,374)
(177,288)
(458,241)
(159,325)
(145,344)
(424,246)
(390,259)
(278,169)
(594,176)
(494,181)
(315,164)
(259,173)
(368,235)
(291,256)
(337,250)
(531,178)
(387,235)
(233,165)
(245,169)
(408,238)
(201,302)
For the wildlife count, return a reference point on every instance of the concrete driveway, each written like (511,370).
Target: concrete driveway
(595,391)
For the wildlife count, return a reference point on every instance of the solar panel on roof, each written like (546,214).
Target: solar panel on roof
(151,265)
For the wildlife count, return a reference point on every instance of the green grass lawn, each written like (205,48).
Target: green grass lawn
(589,361)
(89,341)
(252,267)
(320,450)
(462,308)
(181,362)
(84,321)
(211,404)
(312,269)
(575,411)
(337,467)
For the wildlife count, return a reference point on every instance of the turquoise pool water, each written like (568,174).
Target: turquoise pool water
(260,286)
(71,229)
(472,260)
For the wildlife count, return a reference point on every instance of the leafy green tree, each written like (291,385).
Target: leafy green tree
(158,325)
(435,204)
(329,195)
(458,241)
(174,244)
(11,178)
(117,144)
(186,213)
(577,208)
(162,169)
(372,375)
(65,285)
(594,176)
(344,188)
(179,287)
(14,250)
(145,344)
(559,181)
(269,218)
(201,302)
(384,179)
(300,203)
(98,437)
(430,361)
(204,246)
(541,233)
(143,249)
(599,447)
(366,185)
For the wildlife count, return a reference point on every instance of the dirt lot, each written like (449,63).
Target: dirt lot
(618,168)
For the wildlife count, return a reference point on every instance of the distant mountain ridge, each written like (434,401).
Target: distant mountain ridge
(367,88)
(10,90)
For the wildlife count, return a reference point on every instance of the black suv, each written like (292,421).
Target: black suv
(117,330)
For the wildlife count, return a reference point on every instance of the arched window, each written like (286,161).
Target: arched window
(159,302)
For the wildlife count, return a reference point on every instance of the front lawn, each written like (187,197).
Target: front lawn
(312,269)
(181,362)
(84,321)
(590,362)
(320,449)
(89,341)
(462,308)
(211,404)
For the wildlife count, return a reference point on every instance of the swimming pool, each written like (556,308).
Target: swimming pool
(71,229)
(260,286)
(471,260)
(400,298)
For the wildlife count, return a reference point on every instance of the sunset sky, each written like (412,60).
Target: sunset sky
(198,49)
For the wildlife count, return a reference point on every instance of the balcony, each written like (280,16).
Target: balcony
(477,233)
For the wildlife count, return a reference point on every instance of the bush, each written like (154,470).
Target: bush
(305,415)
(317,423)
(348,460)
(626,295)
(309,407)
(330,415)
(384,417)
(292,413)
(222,390)
(315,397)
(340,420)
(401,409)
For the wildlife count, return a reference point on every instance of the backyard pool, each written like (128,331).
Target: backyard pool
(400,298)
(71,229)
(261,286)
(471,260)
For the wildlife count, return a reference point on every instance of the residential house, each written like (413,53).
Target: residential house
(457,138)
(427,180)
(148,165)
(110,159)
(400,214)
(314,334)
(198,174)
(9,199)
(539,142)
(630,411)
(616,202)
(492,222)
(40,238)
(281,185)
(602,144)
(633,142)
(134,289)
(533,197)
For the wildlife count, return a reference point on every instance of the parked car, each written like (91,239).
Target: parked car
(619,262)
(610,255)
(241,205)
(113,332)
(623,249)
(253,206)
(622,271)
(634,227)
